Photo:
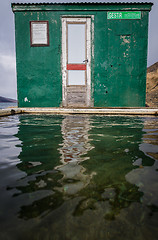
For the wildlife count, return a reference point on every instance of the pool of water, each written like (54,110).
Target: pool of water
(78,177)
(4,105)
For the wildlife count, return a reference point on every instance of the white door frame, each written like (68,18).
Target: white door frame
(87,21)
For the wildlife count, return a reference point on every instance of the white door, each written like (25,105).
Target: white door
(76,62)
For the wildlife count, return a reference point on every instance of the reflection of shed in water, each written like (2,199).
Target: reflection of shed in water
(96,159)
(75,145)
(75,54)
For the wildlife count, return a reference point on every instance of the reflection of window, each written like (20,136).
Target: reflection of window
(39,33)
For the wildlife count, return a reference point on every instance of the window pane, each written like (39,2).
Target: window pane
(39,33)
(76,77)
(76,43)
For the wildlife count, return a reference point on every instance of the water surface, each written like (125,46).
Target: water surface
(78,177)
(4,105)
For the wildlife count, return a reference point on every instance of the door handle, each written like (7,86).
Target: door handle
(86,60)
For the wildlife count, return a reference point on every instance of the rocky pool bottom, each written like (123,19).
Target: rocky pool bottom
(78,177)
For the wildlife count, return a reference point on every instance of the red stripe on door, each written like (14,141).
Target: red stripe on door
(76,66)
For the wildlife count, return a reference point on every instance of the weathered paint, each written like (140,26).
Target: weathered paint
(76,66)
(83,7)
(118,55)
(74,96)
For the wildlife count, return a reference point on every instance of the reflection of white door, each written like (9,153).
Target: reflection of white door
(76,62)
(74,147)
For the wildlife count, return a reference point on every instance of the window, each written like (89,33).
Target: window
(39,33)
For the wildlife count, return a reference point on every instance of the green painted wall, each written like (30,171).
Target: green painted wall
(120,62)
(118,65)
(38,68)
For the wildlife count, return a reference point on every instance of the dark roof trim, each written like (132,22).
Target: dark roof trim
(83,6)
(84,2)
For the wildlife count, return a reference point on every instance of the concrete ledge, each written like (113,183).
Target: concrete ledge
(105,111)
(9,111)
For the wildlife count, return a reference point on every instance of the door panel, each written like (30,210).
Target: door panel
(76,60)
(76,77)
(76,96)
(76,42)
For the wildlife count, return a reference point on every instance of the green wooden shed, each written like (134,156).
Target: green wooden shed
(73,54)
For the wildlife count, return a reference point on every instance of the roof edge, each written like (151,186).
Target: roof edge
(84,3)
(55,5)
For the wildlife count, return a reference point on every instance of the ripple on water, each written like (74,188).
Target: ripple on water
(78,177)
